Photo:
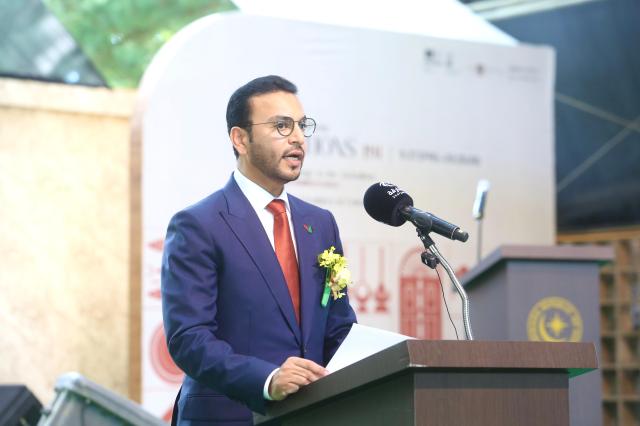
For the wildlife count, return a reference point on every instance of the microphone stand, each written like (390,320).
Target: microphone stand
(431,258)
(479,248)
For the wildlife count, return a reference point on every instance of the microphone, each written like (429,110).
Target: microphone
(481,199)
(431,223)
(389,204)
(383,201)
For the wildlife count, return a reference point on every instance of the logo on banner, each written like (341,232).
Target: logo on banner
(554,319)
(437,59)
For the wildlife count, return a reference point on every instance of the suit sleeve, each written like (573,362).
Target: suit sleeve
(341,315)
(190,267)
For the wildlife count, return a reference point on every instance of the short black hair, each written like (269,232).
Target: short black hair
(238,109)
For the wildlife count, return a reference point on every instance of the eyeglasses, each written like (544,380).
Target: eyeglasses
(285,125)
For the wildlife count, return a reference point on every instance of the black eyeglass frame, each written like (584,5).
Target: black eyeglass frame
(291,121)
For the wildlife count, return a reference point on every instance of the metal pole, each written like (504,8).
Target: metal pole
(459,288)
(431,246)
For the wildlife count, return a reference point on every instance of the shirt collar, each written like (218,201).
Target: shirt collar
(258,196)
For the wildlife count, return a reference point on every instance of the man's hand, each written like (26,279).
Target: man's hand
(293,374)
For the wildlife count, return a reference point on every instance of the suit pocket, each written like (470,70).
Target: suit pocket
(215,408)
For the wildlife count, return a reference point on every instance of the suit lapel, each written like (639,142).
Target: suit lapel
(244,223)
(307,258)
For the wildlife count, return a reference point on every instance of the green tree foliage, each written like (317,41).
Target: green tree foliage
(121,36)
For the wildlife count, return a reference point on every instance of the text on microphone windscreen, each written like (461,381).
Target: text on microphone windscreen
(383,202)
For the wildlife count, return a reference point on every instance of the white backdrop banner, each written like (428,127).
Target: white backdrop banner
(432,116)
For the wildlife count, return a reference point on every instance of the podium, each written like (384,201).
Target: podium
(421,382)
(543,293)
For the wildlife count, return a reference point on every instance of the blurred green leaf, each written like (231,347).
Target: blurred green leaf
(121,36)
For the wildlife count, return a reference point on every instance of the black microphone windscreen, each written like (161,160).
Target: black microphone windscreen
(383,202)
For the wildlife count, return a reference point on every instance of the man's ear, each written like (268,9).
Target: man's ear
(240,139)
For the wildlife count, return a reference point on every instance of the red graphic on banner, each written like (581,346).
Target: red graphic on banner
(361,294)
(361,291)
(153,272)
(168,415)
(461,271)
(161,361)
(382,295)
(420,298)
(153,276)
(156,245)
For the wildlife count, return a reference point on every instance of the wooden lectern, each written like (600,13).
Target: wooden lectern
(420,382)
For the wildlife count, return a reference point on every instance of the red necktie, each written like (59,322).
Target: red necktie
(285,252)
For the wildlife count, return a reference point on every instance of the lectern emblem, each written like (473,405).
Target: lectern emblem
(554,319)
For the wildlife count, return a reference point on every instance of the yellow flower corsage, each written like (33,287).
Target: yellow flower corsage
(337,276)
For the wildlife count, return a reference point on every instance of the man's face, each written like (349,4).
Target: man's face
(271,160)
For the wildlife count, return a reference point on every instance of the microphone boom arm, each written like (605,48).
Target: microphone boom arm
(431,246)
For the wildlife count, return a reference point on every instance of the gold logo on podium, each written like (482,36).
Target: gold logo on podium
(554,319)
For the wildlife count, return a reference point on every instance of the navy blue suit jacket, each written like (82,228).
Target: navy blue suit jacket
(227,312)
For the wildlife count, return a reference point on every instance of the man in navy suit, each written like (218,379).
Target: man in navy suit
(241,284)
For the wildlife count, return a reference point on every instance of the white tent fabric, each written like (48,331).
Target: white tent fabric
(447,19)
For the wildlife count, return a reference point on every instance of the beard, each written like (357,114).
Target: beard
(272,164)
